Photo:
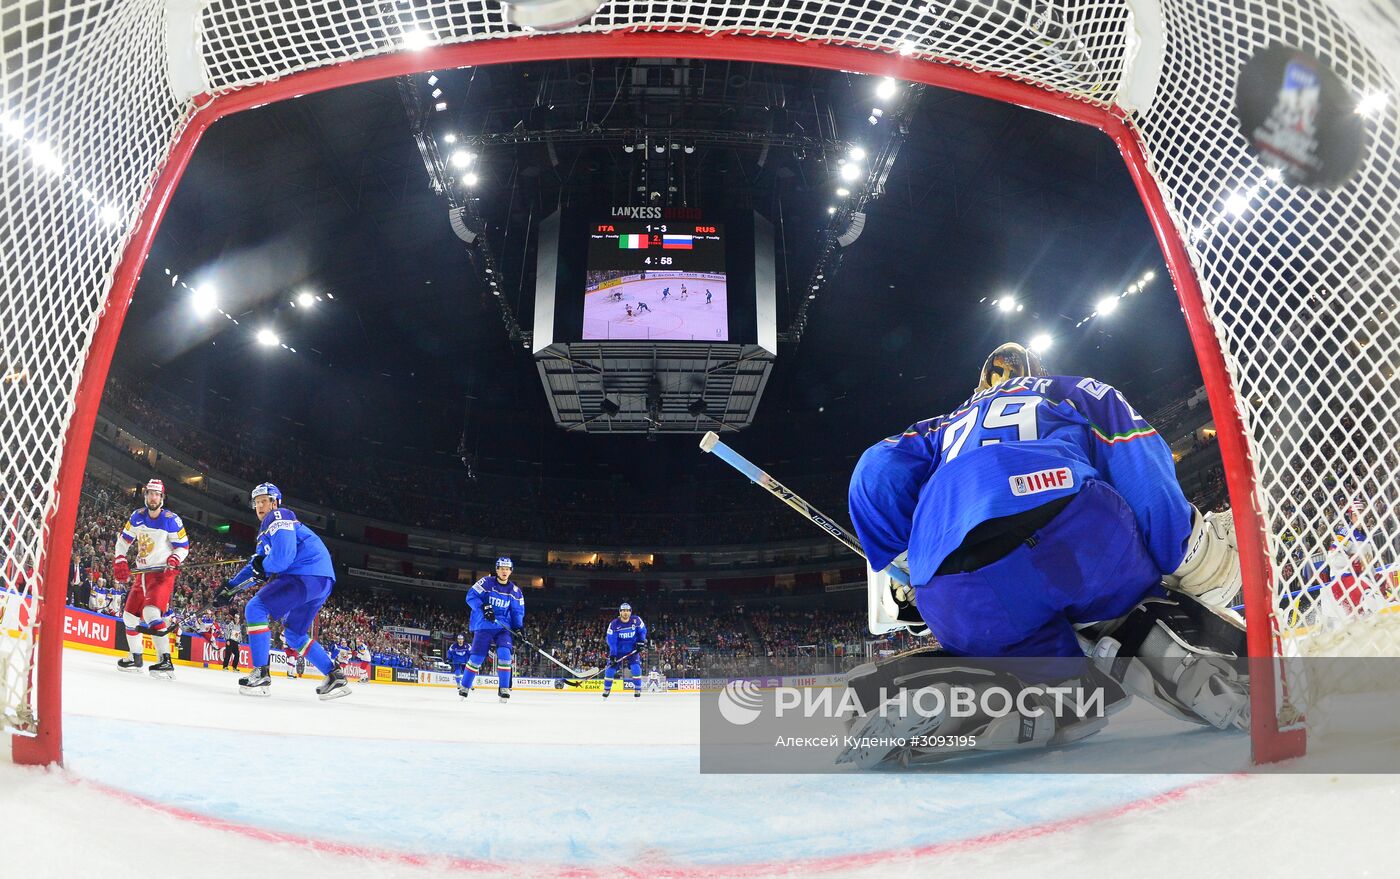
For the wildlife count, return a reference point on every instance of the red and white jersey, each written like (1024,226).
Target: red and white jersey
(157,538)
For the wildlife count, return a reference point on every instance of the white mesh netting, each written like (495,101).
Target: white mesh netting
(1301,283)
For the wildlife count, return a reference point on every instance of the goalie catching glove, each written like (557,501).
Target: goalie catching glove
(1211,568)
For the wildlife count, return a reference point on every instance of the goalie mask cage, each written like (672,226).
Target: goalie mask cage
(1290,304)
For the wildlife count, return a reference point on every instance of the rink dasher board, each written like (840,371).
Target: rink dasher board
(484,682)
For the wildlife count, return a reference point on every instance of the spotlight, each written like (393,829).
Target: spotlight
(415,40)
(1148,275)
(661,148)
(462,158)
(1006,303)
(1371,105)
(906,48)
(450,138)
(886,89)
(831,209)
(305,300)
(857,154)
(1107,305)
(432,80)
(437,93)
(842,191)
(268,338)
(689,149)
(440,106)
(1236,205)
(204,300)
(1041,342)
(470,179)
(873,121)
(627,148)
(849,172)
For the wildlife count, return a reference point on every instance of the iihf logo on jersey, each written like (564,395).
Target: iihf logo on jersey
(1041,480)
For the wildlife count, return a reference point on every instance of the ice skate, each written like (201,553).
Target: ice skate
(130,664)
(503,694)
(165,669)
(462,691)
(257,683)
(334,686)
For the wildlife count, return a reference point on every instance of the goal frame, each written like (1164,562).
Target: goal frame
(1270,741)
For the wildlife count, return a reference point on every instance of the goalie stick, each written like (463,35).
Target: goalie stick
(711,443)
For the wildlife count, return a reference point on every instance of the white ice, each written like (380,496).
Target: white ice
(406,781)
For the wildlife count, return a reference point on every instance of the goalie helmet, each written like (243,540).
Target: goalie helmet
(1009,361)
(265,488)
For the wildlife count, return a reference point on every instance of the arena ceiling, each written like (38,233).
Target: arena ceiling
(331,194)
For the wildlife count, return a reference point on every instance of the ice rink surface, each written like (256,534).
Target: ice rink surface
(410,781)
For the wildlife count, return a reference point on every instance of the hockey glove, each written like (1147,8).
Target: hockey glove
(256,563)
(172,563)
(223,596)
(518,632)
(640,648)
(121,569)
(488,613)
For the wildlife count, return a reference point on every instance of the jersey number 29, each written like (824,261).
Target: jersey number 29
(1002,412)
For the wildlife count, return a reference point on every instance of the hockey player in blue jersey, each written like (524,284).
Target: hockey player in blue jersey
(295,571)
(1040,506)
(457,656)
(498,613)
(627,639)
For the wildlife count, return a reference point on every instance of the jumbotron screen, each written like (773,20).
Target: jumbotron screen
(656,279)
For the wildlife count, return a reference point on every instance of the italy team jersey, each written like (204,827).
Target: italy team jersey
(156,537)
(622,637)
(288,547)
(505,598)
(1008,449)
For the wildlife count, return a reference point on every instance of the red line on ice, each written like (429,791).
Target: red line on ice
(653,869)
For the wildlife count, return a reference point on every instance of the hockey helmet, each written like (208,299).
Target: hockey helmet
(624,606)
(265,488)
(155,485)
(505,562)
(1009,361)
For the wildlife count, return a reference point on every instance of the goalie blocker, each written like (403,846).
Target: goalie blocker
(1184,657)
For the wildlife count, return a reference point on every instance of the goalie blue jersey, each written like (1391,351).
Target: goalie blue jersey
(1008,449)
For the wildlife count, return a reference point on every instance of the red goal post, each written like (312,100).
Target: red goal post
(104,104)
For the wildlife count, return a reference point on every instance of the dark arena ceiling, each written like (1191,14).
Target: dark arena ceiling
(409,354)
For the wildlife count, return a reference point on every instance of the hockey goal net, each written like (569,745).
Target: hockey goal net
(1289,292)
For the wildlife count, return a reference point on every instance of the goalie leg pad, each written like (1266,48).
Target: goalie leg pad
(1181,656)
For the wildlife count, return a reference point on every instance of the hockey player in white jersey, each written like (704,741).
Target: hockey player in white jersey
(161,547)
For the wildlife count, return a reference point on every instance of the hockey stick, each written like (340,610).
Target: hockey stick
(573,673)
(158,568)
(710,442)
(612,663)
